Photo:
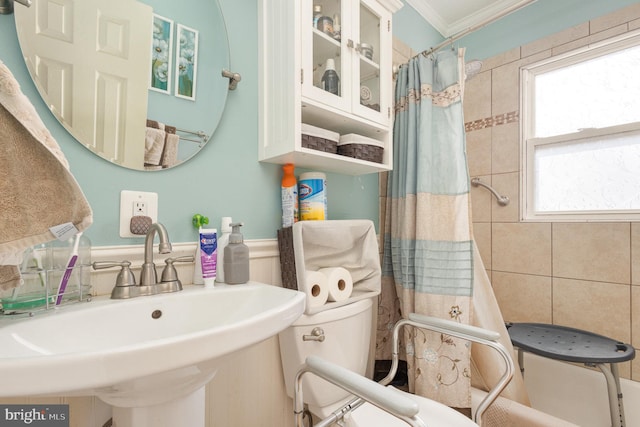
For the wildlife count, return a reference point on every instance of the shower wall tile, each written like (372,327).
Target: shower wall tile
(382,183)
(635,316)
(382,213)
(635,253)
(616,18)
(481,201)
(594,38)
(504,88)
(402,49)
(523,297)
(479,152)
(635,328)
(592,251)
(578,303)
(477,97)
(556,39)
(507,184)
(501,59)
(521,248)
(593,264)
(482,236)
(505,148)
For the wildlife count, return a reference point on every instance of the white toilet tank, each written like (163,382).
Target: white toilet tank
(347,332)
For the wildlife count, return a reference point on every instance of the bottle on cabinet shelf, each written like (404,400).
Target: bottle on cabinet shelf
(330,79)
(336,27)
(317,13)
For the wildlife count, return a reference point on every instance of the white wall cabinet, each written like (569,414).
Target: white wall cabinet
(294,53)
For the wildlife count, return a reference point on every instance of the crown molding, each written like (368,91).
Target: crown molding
(449,29)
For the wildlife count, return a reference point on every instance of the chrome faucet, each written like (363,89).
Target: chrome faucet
(126,282)
(148,275)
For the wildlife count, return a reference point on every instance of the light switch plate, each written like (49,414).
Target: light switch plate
(136,203)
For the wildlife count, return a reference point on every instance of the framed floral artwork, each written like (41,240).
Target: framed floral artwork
(186,62)
(161,54)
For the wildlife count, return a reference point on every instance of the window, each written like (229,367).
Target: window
(581,134)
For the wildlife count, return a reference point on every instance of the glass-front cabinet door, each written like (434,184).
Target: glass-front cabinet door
(326,63)
(372,62)
(346,56)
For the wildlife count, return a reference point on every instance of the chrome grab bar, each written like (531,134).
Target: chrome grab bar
(502,200)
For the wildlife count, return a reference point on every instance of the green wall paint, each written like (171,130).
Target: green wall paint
(226,179)
(410,27)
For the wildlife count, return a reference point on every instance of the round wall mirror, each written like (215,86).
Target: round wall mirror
(138,83)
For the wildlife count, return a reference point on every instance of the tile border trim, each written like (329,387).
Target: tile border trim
(488,122)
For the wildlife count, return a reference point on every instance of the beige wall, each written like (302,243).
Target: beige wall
(582,275)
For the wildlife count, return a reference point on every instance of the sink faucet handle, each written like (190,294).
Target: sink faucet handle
(169,273)
(125,276)
(169,281)
(125,282)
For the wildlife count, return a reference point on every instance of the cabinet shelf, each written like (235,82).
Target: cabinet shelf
(368,69)
(325,47)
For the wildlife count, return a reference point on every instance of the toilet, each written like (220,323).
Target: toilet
(342,335)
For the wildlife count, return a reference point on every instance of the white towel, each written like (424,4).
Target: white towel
(170,153)
(153,145)
(37,190)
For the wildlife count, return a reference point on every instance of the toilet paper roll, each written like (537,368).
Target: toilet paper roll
(317,289)
(339,282)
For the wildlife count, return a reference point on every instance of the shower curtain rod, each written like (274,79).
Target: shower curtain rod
(476,27)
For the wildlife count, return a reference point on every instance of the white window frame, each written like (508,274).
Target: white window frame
(528,143)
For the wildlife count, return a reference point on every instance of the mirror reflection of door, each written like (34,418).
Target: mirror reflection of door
(69,53)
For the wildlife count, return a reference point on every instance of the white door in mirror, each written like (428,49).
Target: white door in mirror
(66,54)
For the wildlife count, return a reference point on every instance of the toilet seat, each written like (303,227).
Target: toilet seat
(433,414)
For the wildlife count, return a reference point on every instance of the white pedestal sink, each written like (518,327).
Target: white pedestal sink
(149,357)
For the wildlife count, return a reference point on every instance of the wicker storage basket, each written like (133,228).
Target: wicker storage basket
(319,139)
(287,258)
(361,147)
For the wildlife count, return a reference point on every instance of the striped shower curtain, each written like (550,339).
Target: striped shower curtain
(428,247)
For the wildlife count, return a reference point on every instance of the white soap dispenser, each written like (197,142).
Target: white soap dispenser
(236,258)
(223,241)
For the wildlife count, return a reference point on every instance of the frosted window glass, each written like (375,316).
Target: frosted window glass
(592,174)
(596,93)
